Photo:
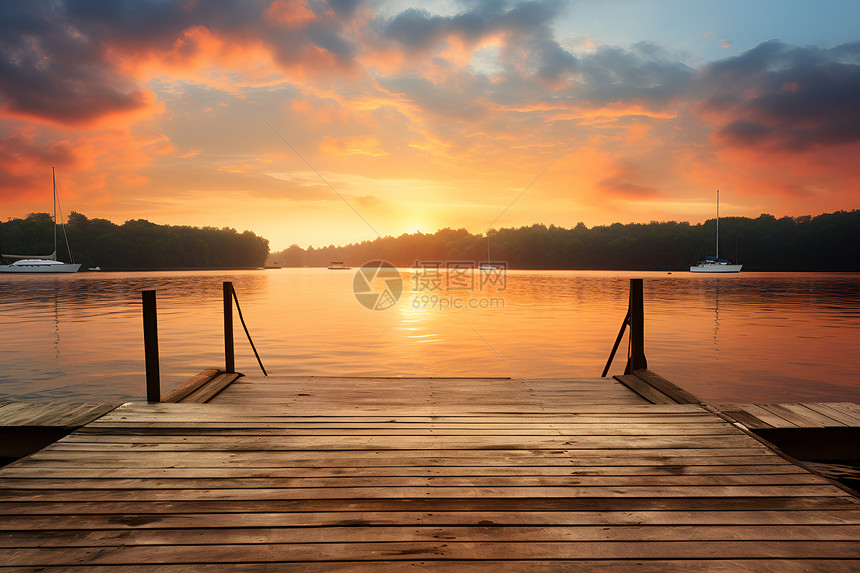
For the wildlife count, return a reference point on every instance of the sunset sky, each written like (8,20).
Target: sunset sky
(315,122)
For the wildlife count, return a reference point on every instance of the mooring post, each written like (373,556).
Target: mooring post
(229,357)
(150,347)
(636,312)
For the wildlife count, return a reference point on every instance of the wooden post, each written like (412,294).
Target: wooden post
(229,357)
(636,351)
(150,347)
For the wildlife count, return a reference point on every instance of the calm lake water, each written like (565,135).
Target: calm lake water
(763,337)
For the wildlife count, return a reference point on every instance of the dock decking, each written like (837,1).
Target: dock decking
(390,474)
(26,427)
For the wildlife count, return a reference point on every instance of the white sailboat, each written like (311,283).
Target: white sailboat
(488,266)
(37,264)
(715,264)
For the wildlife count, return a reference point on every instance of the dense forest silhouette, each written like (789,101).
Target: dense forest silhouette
(134,244)
(828,242)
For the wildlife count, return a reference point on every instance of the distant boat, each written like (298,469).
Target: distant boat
(715,264)
(37,264)
(338,266)
(488,266)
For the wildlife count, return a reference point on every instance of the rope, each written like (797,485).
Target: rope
(63,225)
(248,334)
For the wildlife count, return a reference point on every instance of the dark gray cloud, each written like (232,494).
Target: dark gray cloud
(345,8)
(50,69)
(57,57)
(786,97)
(416,29)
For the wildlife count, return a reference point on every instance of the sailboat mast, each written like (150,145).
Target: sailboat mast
(718,224)
(54,179)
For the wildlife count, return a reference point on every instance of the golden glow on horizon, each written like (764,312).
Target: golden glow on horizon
(312,126)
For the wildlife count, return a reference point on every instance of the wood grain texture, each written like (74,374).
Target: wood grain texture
(67,415)
(192,384)
(466,474)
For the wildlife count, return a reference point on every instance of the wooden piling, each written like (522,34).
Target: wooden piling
(150,346)
(636,351)
(229,356)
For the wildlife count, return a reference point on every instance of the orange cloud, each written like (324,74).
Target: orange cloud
(192,56)
(25,167)
(92,114)
(133,179)
(355,145)
(321,110)
(627,181)
(290,13)
(621,189)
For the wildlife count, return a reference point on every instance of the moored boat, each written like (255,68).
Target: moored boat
(715,264)
(37,264)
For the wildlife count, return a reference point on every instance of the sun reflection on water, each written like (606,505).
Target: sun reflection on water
(774,337)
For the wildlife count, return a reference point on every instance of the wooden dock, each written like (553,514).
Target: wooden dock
(26,427)
(391,474)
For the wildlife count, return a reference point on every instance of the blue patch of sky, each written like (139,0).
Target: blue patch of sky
(707,30)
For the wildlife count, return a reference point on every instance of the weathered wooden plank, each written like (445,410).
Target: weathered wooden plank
(191,434)
(52,414)
(793,417)
(261,411)
(467,504)
(742,416)
(805,411)
(668,388)
(407,481)
(618,421)
(430,491)
(518,566)
(850,406)
(207,391)
(846,415)
(573,420)
(372,458)
(340,443)
(405,534)
(191,385)
(766,416)
(436,518)
(644,389)
(46,472)
(438,549)
(835,417)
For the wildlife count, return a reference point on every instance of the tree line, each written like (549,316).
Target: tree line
(134,244)
(827,242)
